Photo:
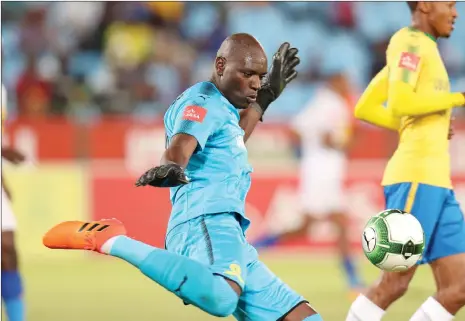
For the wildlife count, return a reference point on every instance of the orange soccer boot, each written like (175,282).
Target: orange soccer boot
(77,235)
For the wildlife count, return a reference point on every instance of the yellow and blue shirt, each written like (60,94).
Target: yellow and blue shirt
(415,85)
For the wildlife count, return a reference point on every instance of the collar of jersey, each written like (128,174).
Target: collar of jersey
(225,101)
(425,33)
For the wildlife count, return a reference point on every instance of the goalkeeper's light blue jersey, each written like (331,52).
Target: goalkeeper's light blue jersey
(218,170)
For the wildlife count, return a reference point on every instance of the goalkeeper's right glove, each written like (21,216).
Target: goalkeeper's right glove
(169,175)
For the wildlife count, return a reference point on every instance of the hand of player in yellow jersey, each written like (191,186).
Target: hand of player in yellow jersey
(12,155)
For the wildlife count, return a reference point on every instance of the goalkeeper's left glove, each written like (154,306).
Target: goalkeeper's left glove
(280,74)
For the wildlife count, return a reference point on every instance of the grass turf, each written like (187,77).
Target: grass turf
(95,288)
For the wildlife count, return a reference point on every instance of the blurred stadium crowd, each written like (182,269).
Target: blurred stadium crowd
(88,59)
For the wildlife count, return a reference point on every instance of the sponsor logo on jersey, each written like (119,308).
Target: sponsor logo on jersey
(409,61)
(194,113)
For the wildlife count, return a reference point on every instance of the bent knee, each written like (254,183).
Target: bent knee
(392,286)
(459,290)
(398,290)
(396,284)
(221,300)
(454,294)
(223,305)
(224,309)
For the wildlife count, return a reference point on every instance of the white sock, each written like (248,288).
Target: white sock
(362,309)
(106,247)
(432,310)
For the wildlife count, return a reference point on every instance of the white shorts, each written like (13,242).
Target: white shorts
(8,218)
(322,195)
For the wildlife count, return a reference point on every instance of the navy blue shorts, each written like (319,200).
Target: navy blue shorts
(439,214)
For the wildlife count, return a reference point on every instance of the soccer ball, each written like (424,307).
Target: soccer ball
(393,240)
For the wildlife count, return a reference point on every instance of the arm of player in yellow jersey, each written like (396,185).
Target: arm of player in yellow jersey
(370,107)
(403,101)
(405,63)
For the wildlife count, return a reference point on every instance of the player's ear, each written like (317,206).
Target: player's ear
(424,6)
(220,64)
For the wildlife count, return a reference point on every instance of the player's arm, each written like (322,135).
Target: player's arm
(175,158)
(370,107)
(193,124)
(180,150)
(405,65)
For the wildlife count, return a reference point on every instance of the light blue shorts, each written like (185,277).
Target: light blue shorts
(218,240)
(438,212)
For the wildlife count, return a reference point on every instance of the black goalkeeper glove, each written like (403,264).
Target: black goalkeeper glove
(169,175)
(280,74)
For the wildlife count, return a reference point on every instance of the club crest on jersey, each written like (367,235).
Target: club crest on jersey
(194,113)
(409,61)
(236,271)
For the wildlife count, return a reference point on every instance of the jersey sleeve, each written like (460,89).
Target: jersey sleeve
(407,56)
(370,107)
(198,118)
(405,61)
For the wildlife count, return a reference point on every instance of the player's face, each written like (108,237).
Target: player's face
(242,77)
(442,16)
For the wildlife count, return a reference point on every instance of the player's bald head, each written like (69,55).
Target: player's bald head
(240,46)
(240,65)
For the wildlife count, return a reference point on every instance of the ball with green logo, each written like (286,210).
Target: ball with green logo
(393,240)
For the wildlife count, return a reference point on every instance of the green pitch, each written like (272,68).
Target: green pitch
(106,289)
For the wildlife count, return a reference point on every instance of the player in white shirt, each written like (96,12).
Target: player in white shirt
(12,291)
(323,129)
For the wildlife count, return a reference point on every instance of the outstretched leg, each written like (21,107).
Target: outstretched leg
(190,280)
